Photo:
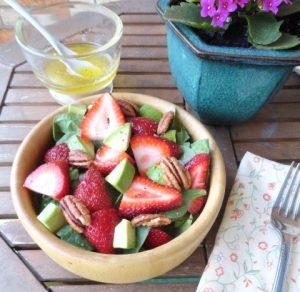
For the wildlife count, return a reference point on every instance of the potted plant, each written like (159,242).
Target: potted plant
(228,57)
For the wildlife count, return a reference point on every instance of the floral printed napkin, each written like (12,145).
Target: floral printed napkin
(246,250)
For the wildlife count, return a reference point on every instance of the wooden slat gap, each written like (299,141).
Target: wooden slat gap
(145,35)
(265,140)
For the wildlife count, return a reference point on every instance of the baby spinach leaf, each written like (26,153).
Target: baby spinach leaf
(141,235)
(190,150)
(182,136)
(45,200)
(170,135)
(74,176)
(187,153)
(155,174)
(200,146)
(188,196)
(69,235)
(186,225)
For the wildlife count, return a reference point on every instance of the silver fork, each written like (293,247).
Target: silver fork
(284,218)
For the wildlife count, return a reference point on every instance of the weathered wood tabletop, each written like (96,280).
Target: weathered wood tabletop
(273,133)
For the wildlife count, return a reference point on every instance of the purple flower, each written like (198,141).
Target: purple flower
(227,5)
(219,17)
(208,8)
(243,3)
(271,5)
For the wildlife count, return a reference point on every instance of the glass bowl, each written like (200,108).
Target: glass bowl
(92,31)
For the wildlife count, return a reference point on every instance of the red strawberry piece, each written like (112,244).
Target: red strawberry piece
(100,233)
(104,117)
(146,197)
(108,158)
(92,192)
(197,205)
(59,152)
(156,237)
(148,150)
(141,125)
(198,169)
(51,179)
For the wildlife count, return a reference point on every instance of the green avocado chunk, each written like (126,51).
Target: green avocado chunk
(76,143)
(52,218)
(122,175)
(124,236)
(119,139)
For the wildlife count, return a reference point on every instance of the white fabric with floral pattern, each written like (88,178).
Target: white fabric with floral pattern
(246,250)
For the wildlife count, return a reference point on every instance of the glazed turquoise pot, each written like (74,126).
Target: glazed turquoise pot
(224,85)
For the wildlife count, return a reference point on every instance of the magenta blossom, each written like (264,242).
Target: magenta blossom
(271,5)
(227,5)
(243,3)
(207,8)
(219,17)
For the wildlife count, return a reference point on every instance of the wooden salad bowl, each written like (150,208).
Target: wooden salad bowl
(115,268)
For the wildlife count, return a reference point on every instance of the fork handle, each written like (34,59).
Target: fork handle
(282,268)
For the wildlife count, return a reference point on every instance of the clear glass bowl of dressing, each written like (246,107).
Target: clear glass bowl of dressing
(92,31)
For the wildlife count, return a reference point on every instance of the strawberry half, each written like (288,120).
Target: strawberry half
(141,125)
(92,192)
(108,158)
(51,179)
(197,205)
(104,117)
(148,150)
(146,197)
(198,169)
(59,152)
(156,237)
(100,233)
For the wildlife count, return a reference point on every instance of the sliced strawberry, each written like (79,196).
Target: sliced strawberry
(108,158)
(198,170)
(197,205)
(156,237)
(141,125)
(145,196)
(59,152)
(51,179)
(100,233)
(92,192)
(104,117)
(148,150)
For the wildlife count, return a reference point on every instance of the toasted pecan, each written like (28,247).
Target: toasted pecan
(165,122)
(80,159)
(151,220)
(129,109)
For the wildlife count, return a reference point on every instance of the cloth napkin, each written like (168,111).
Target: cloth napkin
(247,247)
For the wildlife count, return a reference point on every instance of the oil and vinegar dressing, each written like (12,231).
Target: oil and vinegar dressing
(90,79)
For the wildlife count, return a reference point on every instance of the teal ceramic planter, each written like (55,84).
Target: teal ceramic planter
(224,85)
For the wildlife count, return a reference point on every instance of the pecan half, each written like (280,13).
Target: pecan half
(75,212)
(151,220)
(80,159)
(129,109)
(165,122)
(174,174)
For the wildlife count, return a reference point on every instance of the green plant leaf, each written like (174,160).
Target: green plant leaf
(69,235)
(287,41)
(190,150)
(170,135)
(285,9)
(141,235)
(188,196)
(45,200)
(187,153)
(201,146)
(182,136)
(185,226)
(188,13)
(263,28)
(74,176)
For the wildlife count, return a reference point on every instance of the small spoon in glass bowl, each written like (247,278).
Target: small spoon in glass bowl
(74,66)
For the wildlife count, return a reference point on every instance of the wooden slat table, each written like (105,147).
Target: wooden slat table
(273,133)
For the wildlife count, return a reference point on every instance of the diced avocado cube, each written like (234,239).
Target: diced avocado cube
(155,174)
(124,236)
(150,112)
(170,135)
(122,175)
(77,109)
(52,218)
(120,138)
(77,143)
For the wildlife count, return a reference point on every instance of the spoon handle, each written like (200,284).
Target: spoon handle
(61,49)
